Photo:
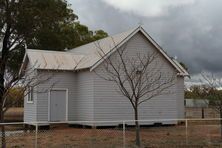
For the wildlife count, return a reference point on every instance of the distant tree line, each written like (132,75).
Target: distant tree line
(203,91)
(195,92)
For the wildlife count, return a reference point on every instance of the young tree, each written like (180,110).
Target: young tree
(139,78)
(212,92)
(26,81)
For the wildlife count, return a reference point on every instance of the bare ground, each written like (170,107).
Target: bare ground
(165,137)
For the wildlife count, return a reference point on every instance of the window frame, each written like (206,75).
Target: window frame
(30,98)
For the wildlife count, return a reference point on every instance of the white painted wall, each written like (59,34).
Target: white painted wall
(180,98)
(30,109)
(110,105)
(84,89)
(58,80)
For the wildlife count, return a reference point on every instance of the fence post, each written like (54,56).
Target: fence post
(124,134)
(186,124)
(36,135)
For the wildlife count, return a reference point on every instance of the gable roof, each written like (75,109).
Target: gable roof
(87,56)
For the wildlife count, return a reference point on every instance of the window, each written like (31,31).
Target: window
(30,95)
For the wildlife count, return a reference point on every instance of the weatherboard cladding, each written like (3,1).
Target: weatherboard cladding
(84,97)
(30,109)
(59,80)
(180,97)
(80,94)
(30,113)
(110,105)
(92,98)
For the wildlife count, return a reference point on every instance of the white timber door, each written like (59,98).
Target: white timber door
(57,101)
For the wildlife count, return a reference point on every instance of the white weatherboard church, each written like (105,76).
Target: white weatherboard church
(81,95)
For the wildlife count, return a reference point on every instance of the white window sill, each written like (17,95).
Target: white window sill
(30,102)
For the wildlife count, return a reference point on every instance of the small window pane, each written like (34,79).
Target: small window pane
(30,94)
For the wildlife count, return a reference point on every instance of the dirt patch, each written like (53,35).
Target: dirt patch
(165,136)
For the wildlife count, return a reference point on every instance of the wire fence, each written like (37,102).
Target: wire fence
(112,134)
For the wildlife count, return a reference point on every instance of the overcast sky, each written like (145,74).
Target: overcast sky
(191,30)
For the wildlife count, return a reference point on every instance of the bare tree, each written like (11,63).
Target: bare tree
(212,92)
(26,80)
(139,78)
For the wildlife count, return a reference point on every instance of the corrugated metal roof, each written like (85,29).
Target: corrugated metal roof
(42,59)
(89,55)
(78,58)
(106,44)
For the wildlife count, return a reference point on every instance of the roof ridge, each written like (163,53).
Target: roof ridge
(53,51)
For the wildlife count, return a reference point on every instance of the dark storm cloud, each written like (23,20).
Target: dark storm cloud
(98,15)
(191,32)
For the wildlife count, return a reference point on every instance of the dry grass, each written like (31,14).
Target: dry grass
(167,136)
(14,114)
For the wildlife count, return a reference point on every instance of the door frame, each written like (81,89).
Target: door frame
(49,102)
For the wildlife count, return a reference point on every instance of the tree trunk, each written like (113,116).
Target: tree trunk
(3,142)
(3,61)
(202,111)
(137,127)
(221,124)
(2,90)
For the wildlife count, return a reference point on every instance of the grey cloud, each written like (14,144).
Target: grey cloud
(193,33)
(97,14)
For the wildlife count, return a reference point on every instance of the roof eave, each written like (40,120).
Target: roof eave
(23,64)
(53,69)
